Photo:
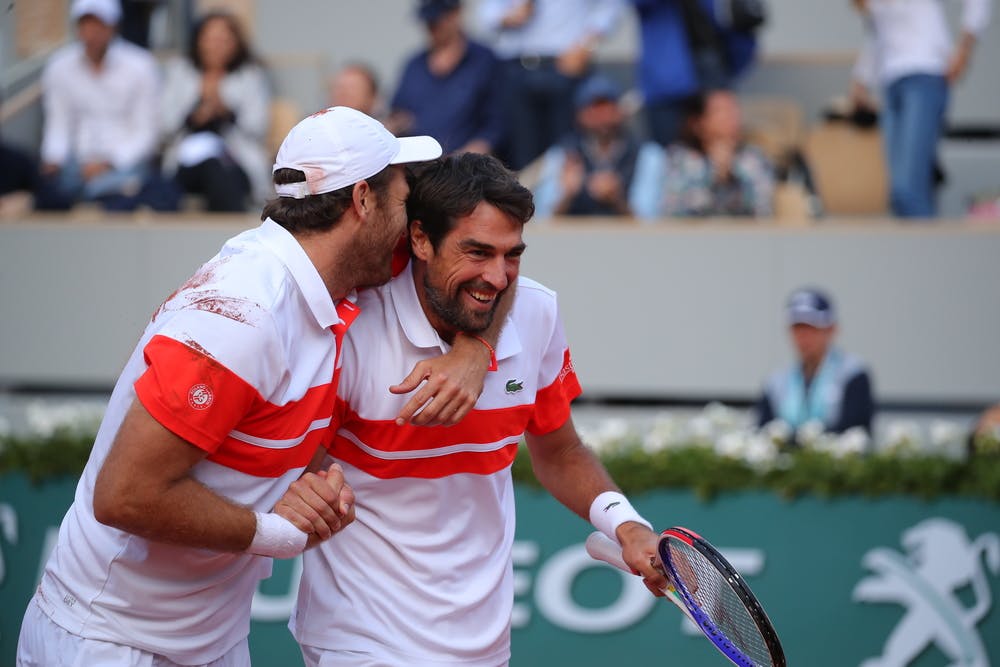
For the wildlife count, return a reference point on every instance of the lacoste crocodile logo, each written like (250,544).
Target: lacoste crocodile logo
(513,386)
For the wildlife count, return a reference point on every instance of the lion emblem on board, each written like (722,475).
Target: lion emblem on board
(940,560)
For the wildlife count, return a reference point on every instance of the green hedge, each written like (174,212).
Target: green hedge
(698,468)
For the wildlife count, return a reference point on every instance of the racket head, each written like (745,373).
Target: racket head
(718,600)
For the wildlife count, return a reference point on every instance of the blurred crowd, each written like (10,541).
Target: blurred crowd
(125,129)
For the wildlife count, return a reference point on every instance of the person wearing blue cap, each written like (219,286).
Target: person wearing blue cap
(825,384)
(601,168)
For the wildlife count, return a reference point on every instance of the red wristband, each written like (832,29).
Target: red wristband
(493,353)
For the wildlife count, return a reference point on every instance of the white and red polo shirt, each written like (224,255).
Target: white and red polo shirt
(241,362)
(424,575)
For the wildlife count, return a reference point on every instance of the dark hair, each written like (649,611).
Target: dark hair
(318,213)
(243,54)
(450,187)
(692,109)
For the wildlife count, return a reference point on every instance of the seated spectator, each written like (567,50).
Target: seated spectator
(601,168)
(355,85)
(19,180)
(449,91)
(100,96)
(825,384)
(712,171)
(215,117)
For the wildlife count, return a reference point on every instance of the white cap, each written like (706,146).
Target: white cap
(108,11)
(340,146)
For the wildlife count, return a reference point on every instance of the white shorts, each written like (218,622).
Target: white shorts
(44,643)
(318,657)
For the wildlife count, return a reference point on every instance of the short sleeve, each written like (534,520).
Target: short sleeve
(192,394)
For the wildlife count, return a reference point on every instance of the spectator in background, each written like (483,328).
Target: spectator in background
(601,168)
(546,47)
(100,97)
(908,53)
(356,86)
(449,91)
(215,115)
(19,180)
(711,170)
(685,50)
(824,384)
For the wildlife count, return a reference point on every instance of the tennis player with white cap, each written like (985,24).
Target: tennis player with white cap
(196,479)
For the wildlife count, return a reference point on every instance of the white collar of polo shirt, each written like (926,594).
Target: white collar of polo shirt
(418,329)
(290,252)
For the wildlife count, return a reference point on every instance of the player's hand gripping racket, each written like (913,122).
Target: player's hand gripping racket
(710,592)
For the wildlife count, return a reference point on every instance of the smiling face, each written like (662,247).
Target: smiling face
(460,283)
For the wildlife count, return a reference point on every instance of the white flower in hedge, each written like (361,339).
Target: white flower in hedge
(761,452)
(731,445)
(825,442)
(44,419)
(854,440)
(948,438)
(749,446)
(778,431)
(902,437)
(722,417)
(808,434)
(667,432)
(701,430)
(609,435)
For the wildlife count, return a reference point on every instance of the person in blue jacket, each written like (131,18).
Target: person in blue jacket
(824,384)
(685,49)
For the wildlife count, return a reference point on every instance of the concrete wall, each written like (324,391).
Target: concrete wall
(678,311)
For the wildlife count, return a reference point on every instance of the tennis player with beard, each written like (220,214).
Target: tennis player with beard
(424,575)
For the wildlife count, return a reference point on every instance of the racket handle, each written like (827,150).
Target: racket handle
(601,547)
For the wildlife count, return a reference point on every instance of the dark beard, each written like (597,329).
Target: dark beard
(450,311)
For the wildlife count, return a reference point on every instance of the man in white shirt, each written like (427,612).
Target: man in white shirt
(196,477)
(424,576)
(909,57)
(100,99)
(547,48)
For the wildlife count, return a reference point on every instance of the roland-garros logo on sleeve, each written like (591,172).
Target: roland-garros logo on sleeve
(200,396)
(567,367)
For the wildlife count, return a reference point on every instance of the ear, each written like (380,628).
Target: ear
(363,198)
(420,244)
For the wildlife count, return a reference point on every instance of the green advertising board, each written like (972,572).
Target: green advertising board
(891,582)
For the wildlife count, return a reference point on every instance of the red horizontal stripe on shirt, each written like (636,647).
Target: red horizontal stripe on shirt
(265,462)
(202,401)
(434,467)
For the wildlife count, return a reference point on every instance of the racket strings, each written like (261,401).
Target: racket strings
(702,583)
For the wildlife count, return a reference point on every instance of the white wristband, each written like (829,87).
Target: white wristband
(610,510)
(277,537)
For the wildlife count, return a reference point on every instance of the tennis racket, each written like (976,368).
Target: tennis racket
(710,592)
